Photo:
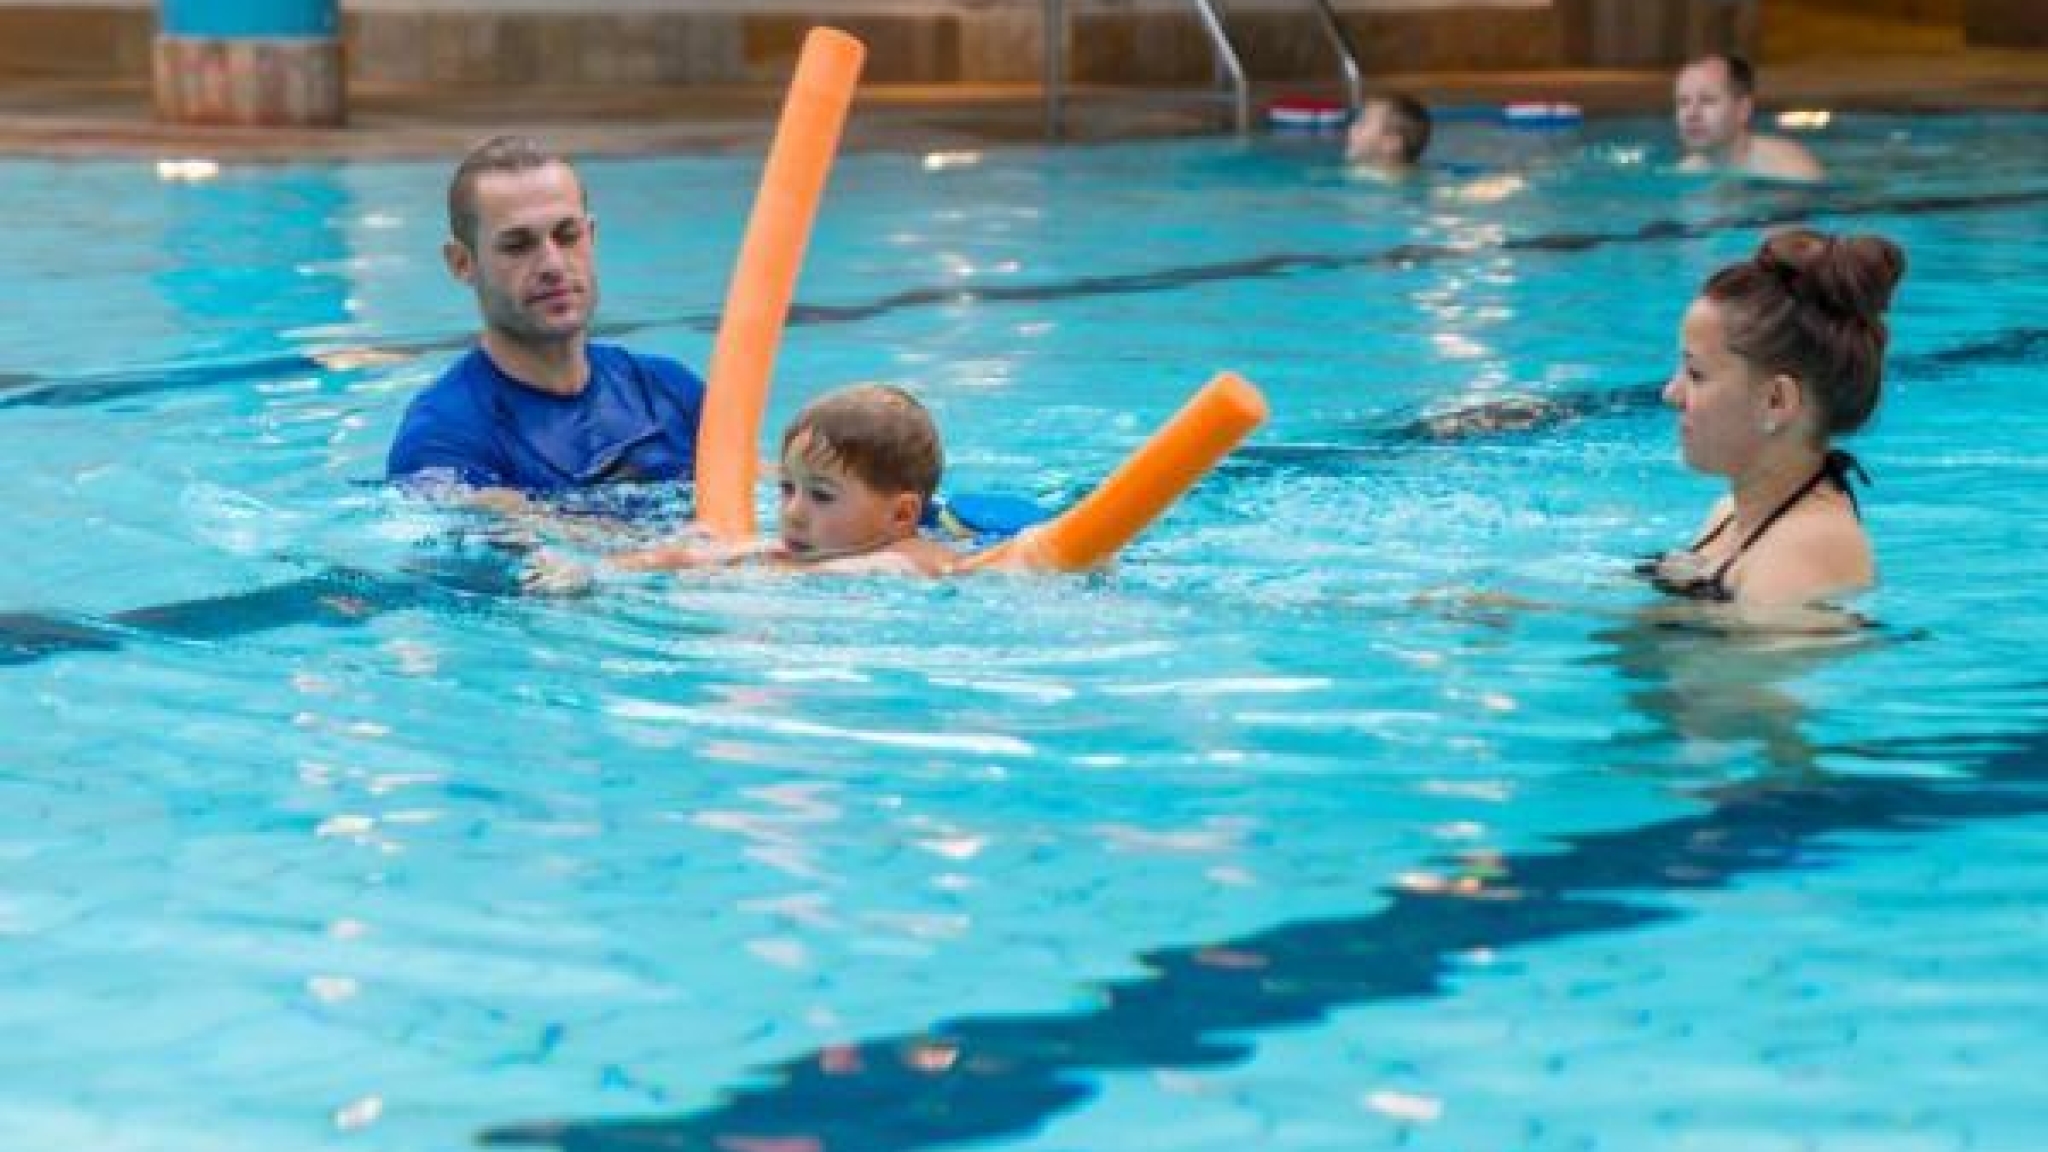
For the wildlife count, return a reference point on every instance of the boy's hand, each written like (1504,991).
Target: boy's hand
(664,558)
(697,549)
(547,574)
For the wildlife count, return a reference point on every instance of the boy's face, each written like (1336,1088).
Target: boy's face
(1373,139)
(826,511)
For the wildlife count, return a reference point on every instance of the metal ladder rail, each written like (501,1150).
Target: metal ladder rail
(1055,25)
(1347,56)
(1333,31)
(1229,61)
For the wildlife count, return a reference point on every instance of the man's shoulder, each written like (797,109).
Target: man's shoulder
(619,354)
(1783,158)
(618,361)
(455,386)
(447,427)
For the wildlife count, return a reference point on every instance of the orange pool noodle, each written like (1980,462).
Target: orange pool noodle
(1087,535)
(764,279)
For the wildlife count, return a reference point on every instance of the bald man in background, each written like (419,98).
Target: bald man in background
(1715,101)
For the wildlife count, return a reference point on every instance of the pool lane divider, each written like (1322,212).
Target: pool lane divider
(22,390)
(764,278)
(1179,454)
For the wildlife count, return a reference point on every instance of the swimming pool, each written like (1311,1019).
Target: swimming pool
(1276,837)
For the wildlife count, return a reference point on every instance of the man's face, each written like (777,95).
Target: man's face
(1709,113)
(533,263)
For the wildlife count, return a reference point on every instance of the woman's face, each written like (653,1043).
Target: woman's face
(1723,417)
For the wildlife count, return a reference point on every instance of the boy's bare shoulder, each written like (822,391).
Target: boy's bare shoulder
(927,557)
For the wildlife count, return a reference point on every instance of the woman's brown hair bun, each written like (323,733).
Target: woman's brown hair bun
(1812,306)
(1850,276)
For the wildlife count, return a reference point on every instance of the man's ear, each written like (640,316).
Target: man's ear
(460,260)
(1745,109)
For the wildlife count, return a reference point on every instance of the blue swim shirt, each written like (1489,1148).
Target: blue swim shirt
(636,420)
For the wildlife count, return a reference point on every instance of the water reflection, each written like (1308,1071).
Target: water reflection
(983,1078)
(1715,687)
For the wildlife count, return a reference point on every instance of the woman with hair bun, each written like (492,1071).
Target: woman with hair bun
(1781,355)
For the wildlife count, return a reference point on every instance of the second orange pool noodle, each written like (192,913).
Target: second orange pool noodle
(764,279)
(1087,535)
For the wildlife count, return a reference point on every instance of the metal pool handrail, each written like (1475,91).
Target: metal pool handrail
(1347,55)
(1228,61)
(1233,67)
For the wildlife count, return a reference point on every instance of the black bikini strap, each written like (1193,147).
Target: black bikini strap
(1836,466)
(1841,467)
(1714,533)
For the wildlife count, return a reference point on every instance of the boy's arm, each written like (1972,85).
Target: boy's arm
(915,557)
(696,551)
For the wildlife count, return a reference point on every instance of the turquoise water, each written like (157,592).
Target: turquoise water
(1367,805)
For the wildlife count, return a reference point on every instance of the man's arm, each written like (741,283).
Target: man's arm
(436,447)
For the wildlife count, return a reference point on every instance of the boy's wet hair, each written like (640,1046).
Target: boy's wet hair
(1411,123)
(877,432)
(498,154)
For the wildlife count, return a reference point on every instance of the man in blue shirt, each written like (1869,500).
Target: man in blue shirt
(537,407)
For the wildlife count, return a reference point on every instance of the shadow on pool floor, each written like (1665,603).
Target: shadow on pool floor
(985,1078)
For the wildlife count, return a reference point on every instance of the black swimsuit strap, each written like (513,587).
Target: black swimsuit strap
(1837,466)
(1841,467)
(1714,533)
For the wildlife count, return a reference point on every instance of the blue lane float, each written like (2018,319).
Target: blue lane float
(1514,114)
(1307,114)
(1541,114)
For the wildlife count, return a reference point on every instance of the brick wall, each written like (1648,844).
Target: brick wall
(2006,23)
(735,41)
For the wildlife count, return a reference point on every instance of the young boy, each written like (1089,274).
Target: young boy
(1389,136)
(858,467)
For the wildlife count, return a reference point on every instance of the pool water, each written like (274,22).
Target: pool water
(1370,803)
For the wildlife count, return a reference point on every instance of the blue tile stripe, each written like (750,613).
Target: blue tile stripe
(1007,1076)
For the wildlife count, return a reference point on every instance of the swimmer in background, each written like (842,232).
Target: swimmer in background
(1780,355)
(859,466)
(1714,103)
(1389,136)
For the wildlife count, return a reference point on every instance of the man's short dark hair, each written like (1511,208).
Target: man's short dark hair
(497,154)
(1411,123)
(1741,73)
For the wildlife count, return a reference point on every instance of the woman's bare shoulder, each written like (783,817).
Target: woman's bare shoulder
(1810,555)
